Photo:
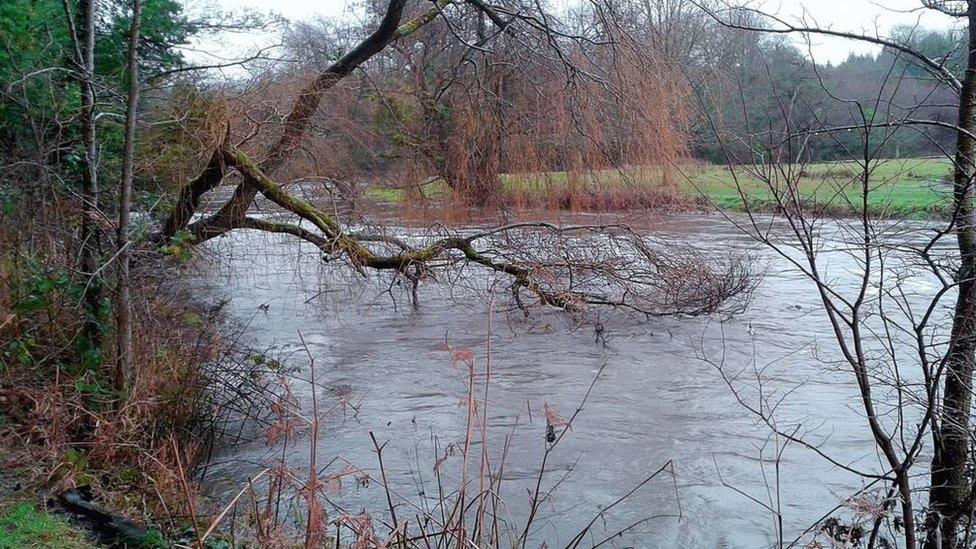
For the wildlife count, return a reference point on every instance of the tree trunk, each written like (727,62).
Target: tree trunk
(296,123)
(124,373)
(191,194)
(949,490)
(90,235)
(295,126)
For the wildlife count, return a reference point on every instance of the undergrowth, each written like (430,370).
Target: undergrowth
(62,423)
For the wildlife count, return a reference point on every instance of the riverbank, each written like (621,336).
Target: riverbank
(25,525)
(31,517)
(904,188)
(64,425)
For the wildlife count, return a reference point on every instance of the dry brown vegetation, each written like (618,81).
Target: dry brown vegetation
(63,424)
(472,503)
(432,111)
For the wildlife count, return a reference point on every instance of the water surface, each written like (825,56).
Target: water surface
(655,401)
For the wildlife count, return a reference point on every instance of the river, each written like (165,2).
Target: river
(655,401)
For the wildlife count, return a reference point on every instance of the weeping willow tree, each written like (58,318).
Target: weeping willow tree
(607,101)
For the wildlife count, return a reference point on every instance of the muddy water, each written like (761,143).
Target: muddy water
(655,401)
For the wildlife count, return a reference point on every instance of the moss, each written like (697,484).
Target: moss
(23,526)
(411,26)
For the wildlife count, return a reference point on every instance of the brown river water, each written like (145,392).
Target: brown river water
(655,401)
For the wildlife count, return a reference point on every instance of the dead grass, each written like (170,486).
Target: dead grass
(467,475)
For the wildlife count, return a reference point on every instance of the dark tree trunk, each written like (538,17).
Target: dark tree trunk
(950,487)
(231,214)
(90,234)
(296,123)
(190,195)
(124,373)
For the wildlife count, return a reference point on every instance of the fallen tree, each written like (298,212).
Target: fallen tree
(566,267)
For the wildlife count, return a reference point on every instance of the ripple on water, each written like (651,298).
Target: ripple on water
(656,401)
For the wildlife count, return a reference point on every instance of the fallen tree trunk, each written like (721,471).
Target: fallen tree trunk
(111,529)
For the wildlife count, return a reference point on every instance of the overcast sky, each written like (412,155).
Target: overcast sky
(848,15)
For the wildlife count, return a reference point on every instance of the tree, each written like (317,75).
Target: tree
(629,274)
(91,247)
(63,144)
(947,369)
(124,375)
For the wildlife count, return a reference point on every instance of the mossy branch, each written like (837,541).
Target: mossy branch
(620,268)
(411,26)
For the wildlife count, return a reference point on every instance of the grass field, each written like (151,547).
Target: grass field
(902,187)
(898,187)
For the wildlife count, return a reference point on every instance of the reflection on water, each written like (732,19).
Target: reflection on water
(654,402)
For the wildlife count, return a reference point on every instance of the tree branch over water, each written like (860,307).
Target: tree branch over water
(565,267)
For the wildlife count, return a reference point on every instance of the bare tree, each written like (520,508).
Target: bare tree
(81,22)
(946,364)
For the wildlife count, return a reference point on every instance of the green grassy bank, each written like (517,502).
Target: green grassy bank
(913,187)
(25,526)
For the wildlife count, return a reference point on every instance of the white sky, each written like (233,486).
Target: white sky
(847,15)
(865,16)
